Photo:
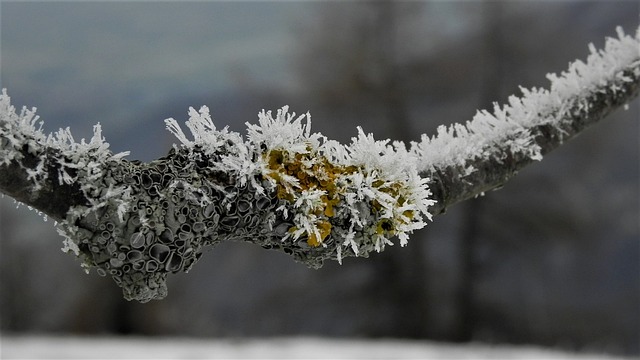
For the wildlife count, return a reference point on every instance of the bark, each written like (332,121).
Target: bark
(451,185)
(53,198)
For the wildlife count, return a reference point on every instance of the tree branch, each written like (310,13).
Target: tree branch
(285,188)
(453,184)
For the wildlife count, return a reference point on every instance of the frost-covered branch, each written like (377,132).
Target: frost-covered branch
(463,161)
(282,186)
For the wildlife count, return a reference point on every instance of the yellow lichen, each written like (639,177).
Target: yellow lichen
(315,172)
(384,227)
(324,229)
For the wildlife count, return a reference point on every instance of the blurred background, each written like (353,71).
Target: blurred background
(551,259)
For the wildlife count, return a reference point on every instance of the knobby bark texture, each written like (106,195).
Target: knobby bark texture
(139,222)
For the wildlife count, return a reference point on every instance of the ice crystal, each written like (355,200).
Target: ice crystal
(508,127)
(88,164)
(370,185)
(227,147)
(18,131)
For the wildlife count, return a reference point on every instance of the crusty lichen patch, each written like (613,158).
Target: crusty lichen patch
(303,175)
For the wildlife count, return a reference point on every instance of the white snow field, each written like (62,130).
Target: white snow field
(45,347)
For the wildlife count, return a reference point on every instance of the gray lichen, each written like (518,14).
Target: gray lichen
(177,207)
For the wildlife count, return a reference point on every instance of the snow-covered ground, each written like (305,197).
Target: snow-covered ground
(40,347)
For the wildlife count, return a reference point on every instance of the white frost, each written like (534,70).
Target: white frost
(508,126)
(88,161)
(366,171)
